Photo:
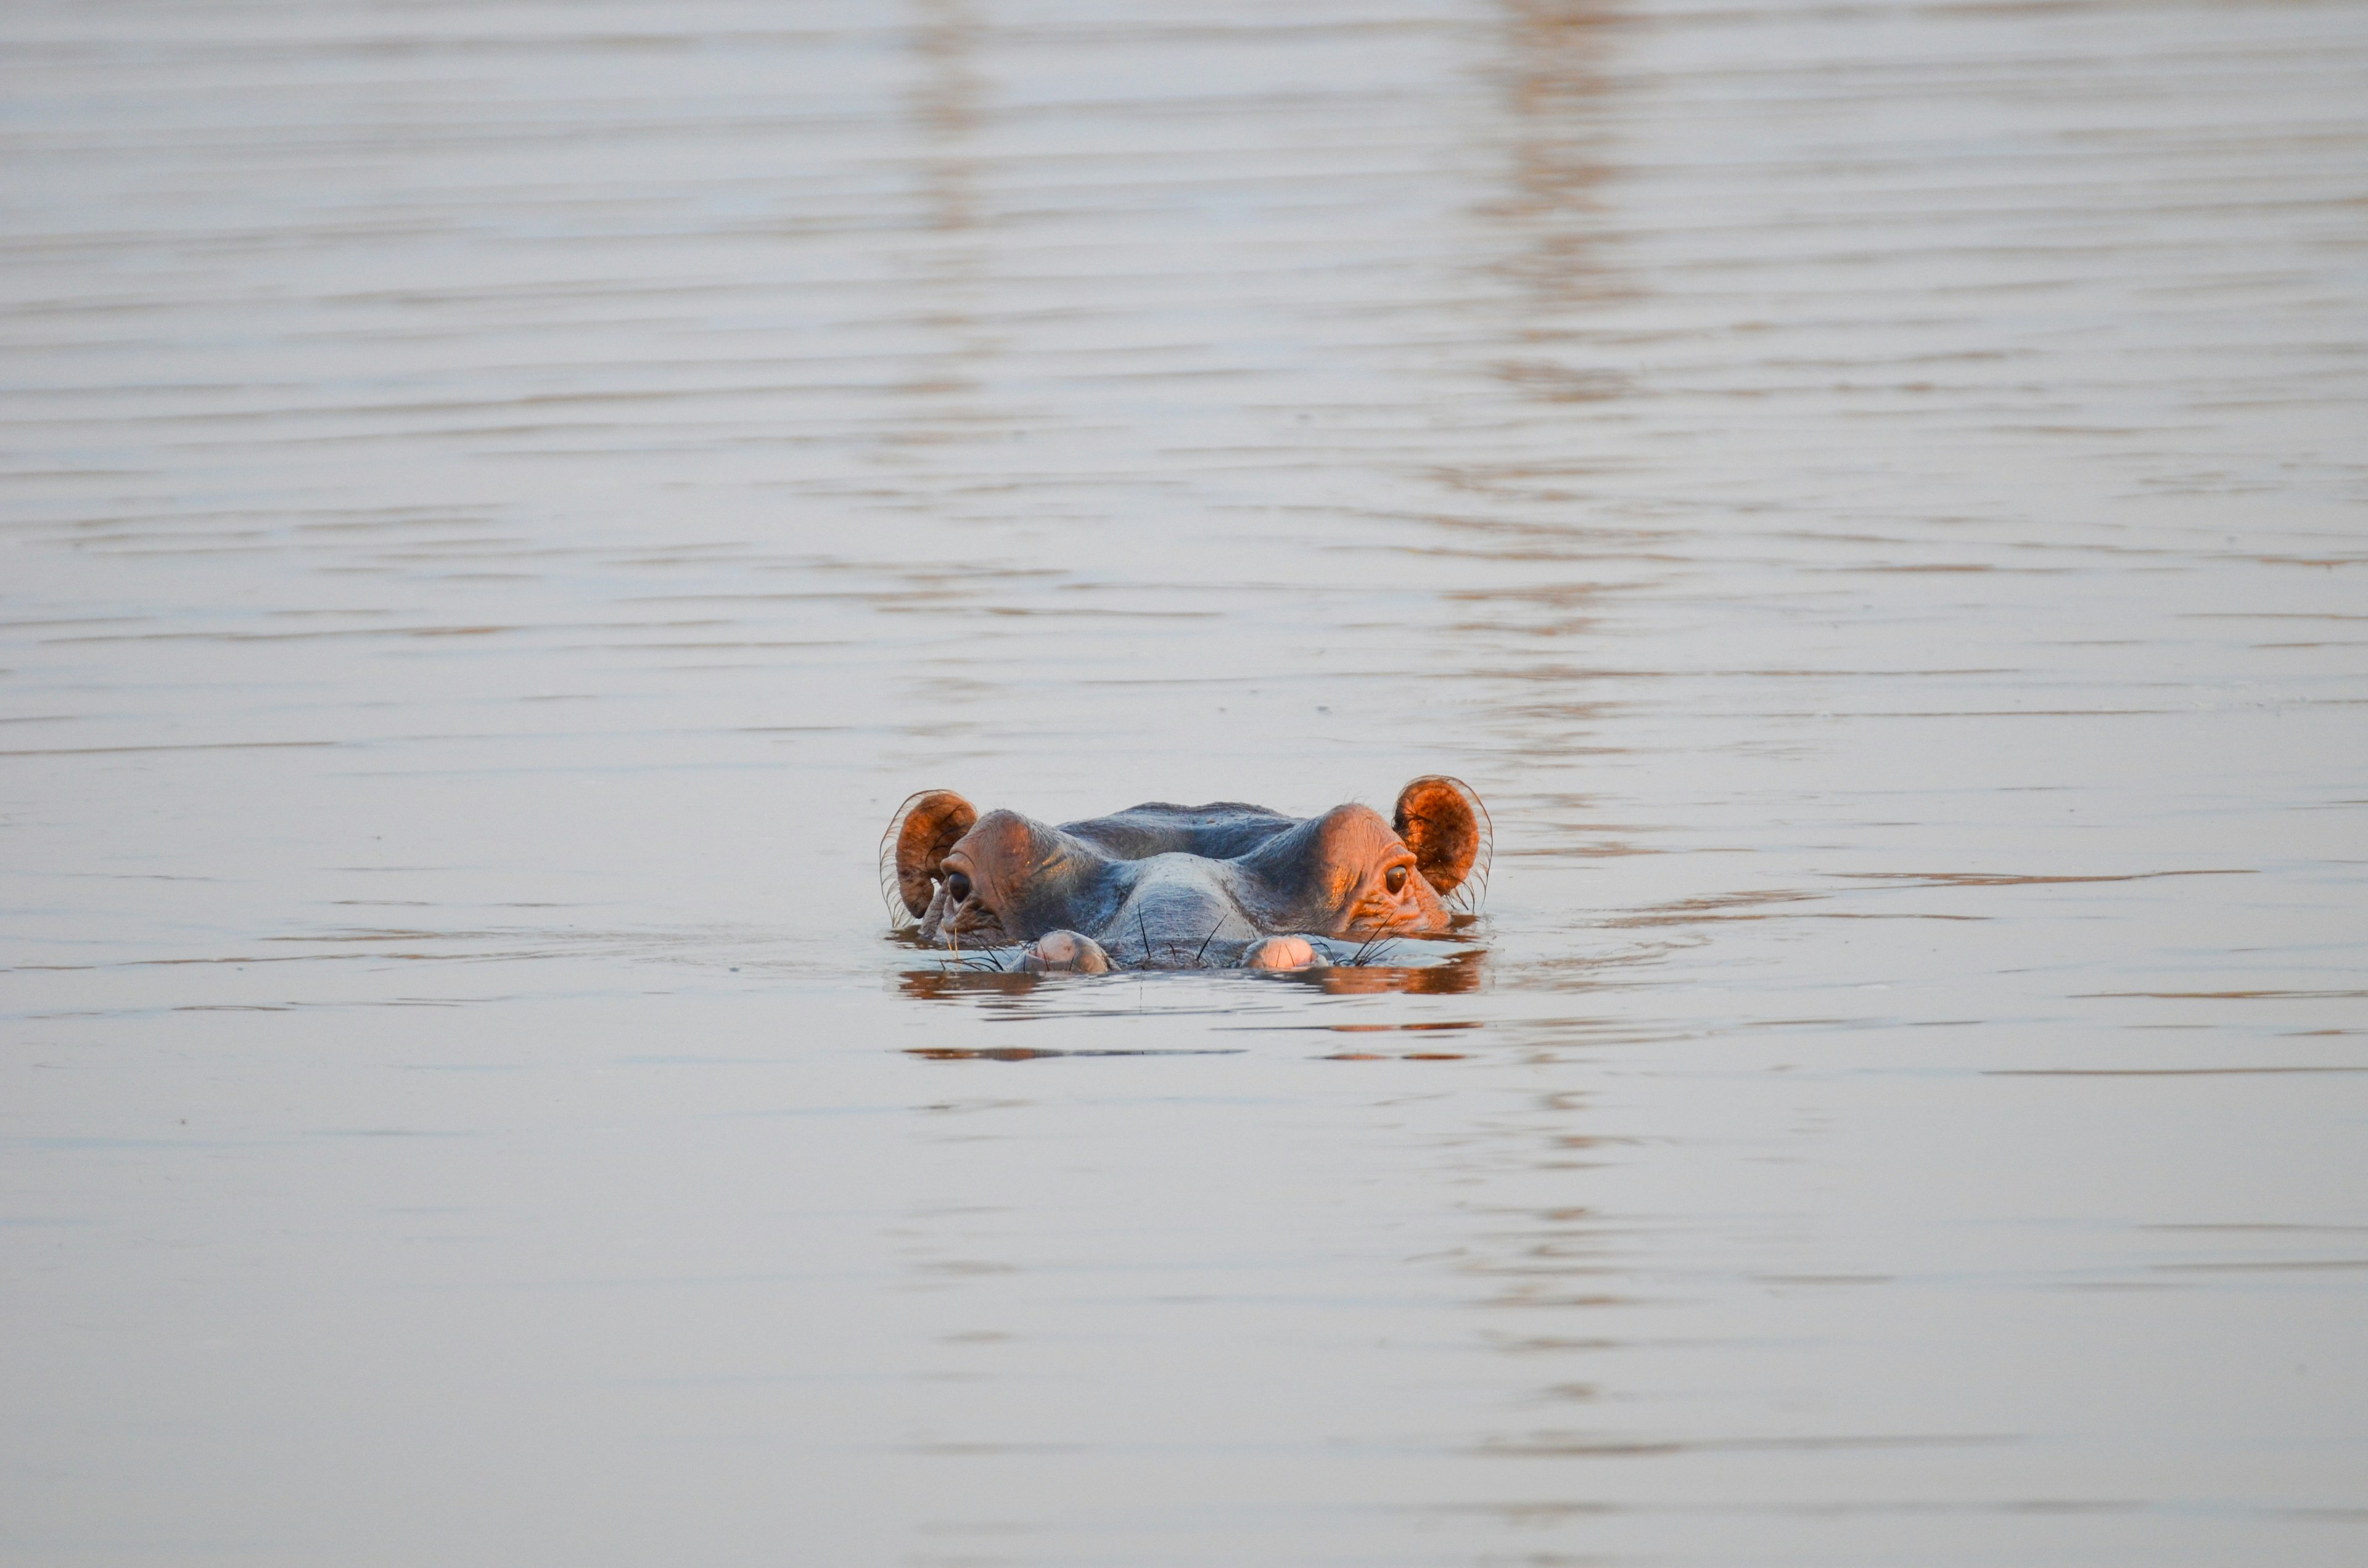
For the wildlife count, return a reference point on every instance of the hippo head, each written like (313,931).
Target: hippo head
(1163,886)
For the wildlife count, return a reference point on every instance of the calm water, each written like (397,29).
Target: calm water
(498,502)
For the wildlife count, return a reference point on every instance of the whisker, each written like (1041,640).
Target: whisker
(1210,937)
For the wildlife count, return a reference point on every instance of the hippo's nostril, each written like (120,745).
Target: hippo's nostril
(958,887)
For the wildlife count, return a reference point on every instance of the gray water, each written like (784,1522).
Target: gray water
(498,502)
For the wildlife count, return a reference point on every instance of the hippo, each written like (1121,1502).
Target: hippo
(1163,886)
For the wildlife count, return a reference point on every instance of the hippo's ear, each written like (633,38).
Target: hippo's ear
(1448,829)
(924,828)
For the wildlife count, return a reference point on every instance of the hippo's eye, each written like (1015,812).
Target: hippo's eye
(1394,880)
(958,887)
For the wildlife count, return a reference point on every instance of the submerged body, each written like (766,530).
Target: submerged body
(1182,887)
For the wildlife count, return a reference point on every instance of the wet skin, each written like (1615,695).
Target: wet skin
(1164,886)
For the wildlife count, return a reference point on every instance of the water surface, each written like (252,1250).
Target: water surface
(499,503)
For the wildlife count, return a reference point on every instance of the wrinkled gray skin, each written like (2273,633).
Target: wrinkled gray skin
(1179,887)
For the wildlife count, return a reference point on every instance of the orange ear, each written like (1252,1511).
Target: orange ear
(1445,823)
(924,828)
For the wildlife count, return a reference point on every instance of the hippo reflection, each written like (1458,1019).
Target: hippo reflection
(1164,886)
